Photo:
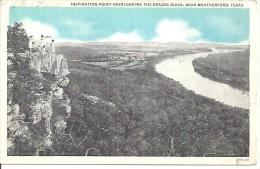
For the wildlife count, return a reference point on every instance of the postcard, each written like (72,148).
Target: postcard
(128,82)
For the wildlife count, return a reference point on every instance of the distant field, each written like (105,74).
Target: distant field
(121,57)
(152,116)
(229,68)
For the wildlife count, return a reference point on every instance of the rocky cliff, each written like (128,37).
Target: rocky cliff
(37,106)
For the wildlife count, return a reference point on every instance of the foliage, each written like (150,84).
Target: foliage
(229,68)
(17,39)
(160,117)
(134,112)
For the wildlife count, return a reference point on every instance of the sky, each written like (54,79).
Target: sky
(216,25)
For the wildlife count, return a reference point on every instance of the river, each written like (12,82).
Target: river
(181,69)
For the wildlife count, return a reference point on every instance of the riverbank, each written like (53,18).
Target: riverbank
(231,68)
(149,109)
(181,69)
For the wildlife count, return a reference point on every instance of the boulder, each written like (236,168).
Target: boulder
(58,93)
(64,82)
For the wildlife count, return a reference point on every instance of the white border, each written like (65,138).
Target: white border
(254,67)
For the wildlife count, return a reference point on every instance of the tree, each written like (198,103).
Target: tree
(17,39)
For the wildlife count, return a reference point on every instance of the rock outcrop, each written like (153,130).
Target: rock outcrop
(97,100)
(38,108)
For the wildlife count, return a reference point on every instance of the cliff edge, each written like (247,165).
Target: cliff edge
(37,106)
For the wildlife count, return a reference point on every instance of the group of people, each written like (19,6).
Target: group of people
(42,46)
(47,61)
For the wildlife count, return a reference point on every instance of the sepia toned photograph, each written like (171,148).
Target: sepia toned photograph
(128,81)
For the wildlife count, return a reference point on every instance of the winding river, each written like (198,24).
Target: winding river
(181,69)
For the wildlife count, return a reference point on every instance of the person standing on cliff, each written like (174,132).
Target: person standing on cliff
(52,55)
(30,43)
(44,49)
(43,40)
(52,46)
